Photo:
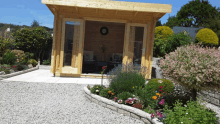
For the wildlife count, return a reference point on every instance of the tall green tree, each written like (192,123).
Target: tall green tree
(158,23)
(171,22)
(35,24)
(35,40)
(196,13)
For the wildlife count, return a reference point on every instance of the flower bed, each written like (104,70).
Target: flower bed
(18,73)
(158,99)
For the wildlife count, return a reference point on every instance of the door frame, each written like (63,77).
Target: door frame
(69,69)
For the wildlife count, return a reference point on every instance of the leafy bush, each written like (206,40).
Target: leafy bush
(33,62)
(97,87)
(169,44)
(207,37)
(162,32)
(124,96)
(146,98)
(8,58)
(125,81)
(28,56)
(46,62)
(106,93)
(193,67)
(5,44)
(153,84)
(194,113)
(177,40)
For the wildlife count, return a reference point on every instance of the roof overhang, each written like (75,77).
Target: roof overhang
(120,8)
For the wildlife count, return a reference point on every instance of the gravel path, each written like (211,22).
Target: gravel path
(43,103)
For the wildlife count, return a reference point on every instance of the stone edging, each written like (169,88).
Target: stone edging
(18,73)
(120,108)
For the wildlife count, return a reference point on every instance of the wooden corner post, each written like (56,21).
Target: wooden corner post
(150,45)
(54,48)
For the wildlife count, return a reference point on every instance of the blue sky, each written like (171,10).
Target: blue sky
(23,12)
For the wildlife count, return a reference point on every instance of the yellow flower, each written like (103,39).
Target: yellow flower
(113,94)
(154,97)
(158,94)
(21,58)
(133,87)
(109,92)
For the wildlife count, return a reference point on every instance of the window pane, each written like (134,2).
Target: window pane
(71,35)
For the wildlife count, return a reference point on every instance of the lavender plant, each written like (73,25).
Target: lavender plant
(193,66)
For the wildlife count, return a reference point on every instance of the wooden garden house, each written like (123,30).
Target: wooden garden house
(89,34)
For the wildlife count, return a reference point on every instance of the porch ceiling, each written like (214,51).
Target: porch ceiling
(109,9)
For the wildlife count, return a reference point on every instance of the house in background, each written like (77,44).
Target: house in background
(190,30)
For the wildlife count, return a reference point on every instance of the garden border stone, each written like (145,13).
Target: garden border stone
(18,73)
(120,108)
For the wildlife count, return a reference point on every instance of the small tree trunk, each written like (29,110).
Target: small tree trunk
(194,94)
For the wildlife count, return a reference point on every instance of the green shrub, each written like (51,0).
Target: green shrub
(97,87)
(170,44)
(146,98)
(28,56)
(105,93)
(8,58)
(194,113)
(125,81)
(7,71)
(124,96)
(46,62)
(172,98)
(207,37)
(33,62)
(162,32)
(153,84)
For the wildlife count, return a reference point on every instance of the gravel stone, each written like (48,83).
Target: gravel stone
(53,103)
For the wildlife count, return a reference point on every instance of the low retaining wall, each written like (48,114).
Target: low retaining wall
(120,108)
(18,73)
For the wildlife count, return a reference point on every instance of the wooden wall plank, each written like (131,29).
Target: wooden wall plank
(81,46)
(58,45)
(144,47)
(53,54)
(150,43)
(62,45)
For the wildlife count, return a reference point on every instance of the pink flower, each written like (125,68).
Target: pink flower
(103,67)
(152,115)
(161,102)
(160,87)
(115,98)
(160,115)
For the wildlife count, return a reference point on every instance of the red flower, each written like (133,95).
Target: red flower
(160,90)
(103,67)
(160,87)
(14,66)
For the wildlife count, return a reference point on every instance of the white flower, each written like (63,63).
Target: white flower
(119,101)
(181,122)
(97,91)
(185,105)
(160,81)
(186,113)
(133,95)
